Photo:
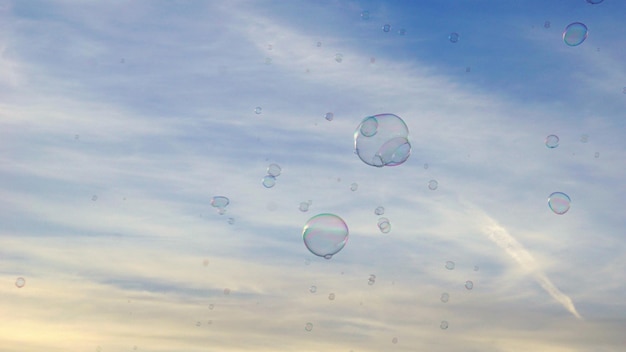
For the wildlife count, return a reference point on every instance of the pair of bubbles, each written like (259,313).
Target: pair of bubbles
(313,289)
(273,171)
(383,223)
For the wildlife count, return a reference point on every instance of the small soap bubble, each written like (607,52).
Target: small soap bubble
(594,2)
(559,202)
(386,28)
(76,137)
(331,297)
(379,210)
(313,289)
(94,198)
(384,225)
(20,282)
(433,184)
(371,280)
(373,61)
(268,181)
(382,140)
(270,47)
(231,221)
(450,265)
(394,340)
(325,235)
(268,60)
(445,297)
(584,138)
(304,207)
(329,116)
(211,306)
(354,187)
(624,90)
(546,24)
(468,69)
(476,268)
(308,327)
(425,166)
(198,323)
(339,57)
(226,291)
(469,285)
(443,325)
(597,155)
(402,31)
(220,203)
(319,44)
(453,37)
(258,110)
(274,170)
(365,15)
(552,141)
(575,34)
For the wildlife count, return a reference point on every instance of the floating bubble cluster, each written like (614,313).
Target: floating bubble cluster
(220,203)
(559,202)
(575,34)
(382,140)
(325,235)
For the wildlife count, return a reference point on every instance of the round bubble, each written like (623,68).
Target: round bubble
(443,325)
(269,181)
(258,110)
(384,225)
(575,34)
(445,297)
(231,221)
(331,296)
(220,202)
(339,57)
(584,138)
(559,202)
(453,37)
(325,235)
(211,306)
(379,210)
(469,285)
(552,141)
(426,166)
(94,198)
(386,28)
(394,340)
(476,268)
(594,2)
(365,15)
(382,140)
(319,44)
(313,289)
(373,60)
(402,31)
(20,282)
(274,170)
(546,24)
(308,327)
(450,265)
(354,187)
(329,116)
(597,155)
(304,207)
(433,184)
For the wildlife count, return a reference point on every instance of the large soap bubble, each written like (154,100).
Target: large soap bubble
(325,235)
(382,140)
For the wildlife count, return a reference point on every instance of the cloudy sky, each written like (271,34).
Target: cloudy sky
(120,121)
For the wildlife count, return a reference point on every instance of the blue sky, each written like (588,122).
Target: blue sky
(120,122)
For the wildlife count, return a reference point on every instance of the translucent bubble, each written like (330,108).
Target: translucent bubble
(373,60)
(379,210)
(443,325)
(574,34)
(402,31)
(433,184)
(313,289)
(308,327)
(328,256)
(319,44)
(231,221)
(384,225)
(371,280)
(76,136)
(274,170)
(546,24)
(445,297)
(453,37)
(20,282)
(552,141)
(211,306)
(594,2)
(354,187)
(382,140)
(226,291)
(584,138)
(597,155)
(559,202)
(365,15)
(325,235)
(394,340)
(386,28)
(304,206)
(468,69)
(450,265)
(331,297)
(624,90)
(469,285)
(220,203)
(94,198)
(269,181)
(329,116)
(339,57)
(258,110)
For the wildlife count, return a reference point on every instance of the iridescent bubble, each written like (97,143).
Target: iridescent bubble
(386,28)
(559,202)
(443,325)
(308,327)
(379,210)
(313,289)
(304,207)
(594,2)
(365,15)
(20,282)
(258,110)
(331,297)
(384,225)
(402,31)
(329,116)
(469,285)
(220,203)
(546,24)
(394,340)
(354,187)
(574,34)
(382,140)
(445,297)
(339,57)
(450,265)
(552,141)
(268,181)
(453,37)
(274,170)
(433,184)
(325,235)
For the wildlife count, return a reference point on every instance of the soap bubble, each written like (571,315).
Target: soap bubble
(450,265)
(386,28)
(20,282)
(469,285)
(597,155)
(453,37)
(331,297)
(382,140)
(269,181)
(547,24)
(402,31)
(379,210)
(574,34)
(211,306)
(384,225)
(371,280)
(313,289)
(325,235)
(274,170)
(94,198)
(426,166)
(231,221)
(354,186)
(308,327)
(339,57)
(468,69)
(552,141)
(594,2)
(319,44)
(226,291)
(304,207)
(559,202)
(373,60)
(445,297)
(584,138)
(433,184)
(365,15)
(220,203)
(443,325)
(258,110)
(394,340)
(329,116)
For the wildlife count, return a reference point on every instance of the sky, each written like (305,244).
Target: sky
(120,122)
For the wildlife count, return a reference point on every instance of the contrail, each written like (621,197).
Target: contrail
(504,240)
